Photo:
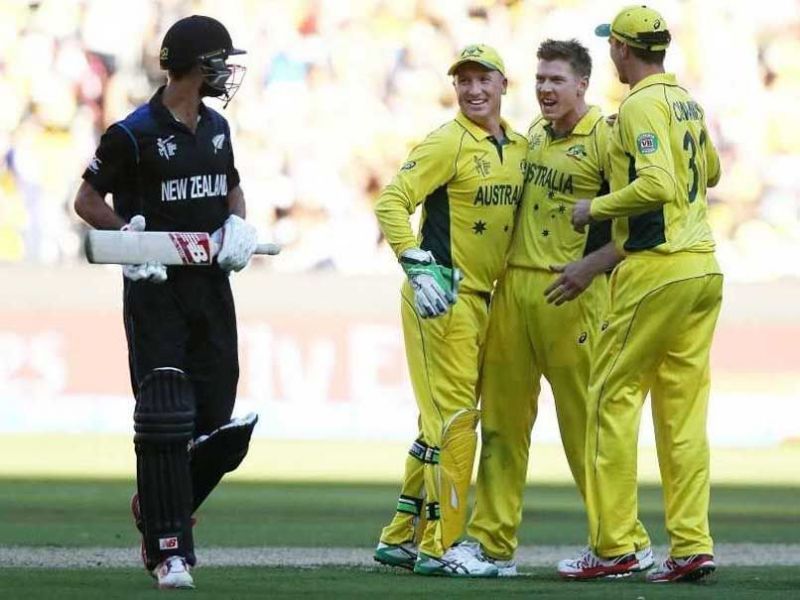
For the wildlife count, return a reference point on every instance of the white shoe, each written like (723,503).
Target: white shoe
(173,573)
(396,555)
(456,562)
(645,558)
(505,568)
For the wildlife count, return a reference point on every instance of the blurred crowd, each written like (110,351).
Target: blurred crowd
(336,93)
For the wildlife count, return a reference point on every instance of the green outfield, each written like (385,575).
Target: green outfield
(72,514)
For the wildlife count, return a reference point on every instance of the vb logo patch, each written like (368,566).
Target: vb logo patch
(170,543)
(647,143)
(578,151)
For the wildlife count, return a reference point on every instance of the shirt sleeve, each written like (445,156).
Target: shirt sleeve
(429,166)
(113,162)
(644,132)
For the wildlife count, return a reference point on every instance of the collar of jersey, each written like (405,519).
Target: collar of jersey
(583,127)
(667,78)
(478,132)
(162,113)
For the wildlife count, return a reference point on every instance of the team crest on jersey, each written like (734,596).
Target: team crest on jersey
(647,143)
(94,165)
(166,147)
(535,141)
(482,166)
(407,166)
(578,151)
(217,141)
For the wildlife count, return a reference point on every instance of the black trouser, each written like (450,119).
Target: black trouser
(187,322)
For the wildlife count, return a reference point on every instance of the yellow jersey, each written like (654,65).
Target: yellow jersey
(469,185)
(560,171)
(662,160)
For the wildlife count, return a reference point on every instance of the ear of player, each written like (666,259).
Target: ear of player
(435,286)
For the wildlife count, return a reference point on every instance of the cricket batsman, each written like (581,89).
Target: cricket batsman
(664,301)
(468,176)
(534,330)
(169,166)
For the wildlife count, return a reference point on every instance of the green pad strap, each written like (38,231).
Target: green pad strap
(427,454)
(432,511)
(409,505)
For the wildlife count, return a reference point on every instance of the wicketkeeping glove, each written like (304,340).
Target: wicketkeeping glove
(435,286)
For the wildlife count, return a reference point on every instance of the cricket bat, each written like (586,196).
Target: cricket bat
(166,247)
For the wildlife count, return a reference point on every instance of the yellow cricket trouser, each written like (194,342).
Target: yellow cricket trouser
(443,360)
(528,338)
(662,314)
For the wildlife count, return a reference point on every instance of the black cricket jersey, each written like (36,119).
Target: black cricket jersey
(154,165)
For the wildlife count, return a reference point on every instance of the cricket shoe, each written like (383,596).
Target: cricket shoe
(173,573)
(505,568)
(396,555)
(136,510)
(591,566)
(456,562)
(689,568)
(644,556)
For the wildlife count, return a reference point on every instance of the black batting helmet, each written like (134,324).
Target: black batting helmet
(205,41)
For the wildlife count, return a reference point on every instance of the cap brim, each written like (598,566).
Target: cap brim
(452,70)
(236,51)
(603,30)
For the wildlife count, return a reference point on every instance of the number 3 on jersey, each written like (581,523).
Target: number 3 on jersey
(697,172)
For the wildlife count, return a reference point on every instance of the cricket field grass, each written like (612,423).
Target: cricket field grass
(71,538)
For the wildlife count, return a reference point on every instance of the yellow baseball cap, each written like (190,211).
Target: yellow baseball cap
(481,54)
(638,26)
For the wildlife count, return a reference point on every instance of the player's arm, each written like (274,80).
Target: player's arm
(713,167)
(429,166)
(575,277)
(113,156)
(239,238)
(644,128)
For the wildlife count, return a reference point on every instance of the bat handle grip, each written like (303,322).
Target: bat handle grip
(271,249)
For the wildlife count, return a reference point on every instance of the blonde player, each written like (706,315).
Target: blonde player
(533,331)
(468,175)
(665,298)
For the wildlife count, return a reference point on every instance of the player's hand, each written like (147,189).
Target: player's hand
(435,287)
(150,271)
(581,215)
(574,279)
(239,241)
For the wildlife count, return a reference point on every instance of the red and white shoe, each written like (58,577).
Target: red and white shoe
(590,566)
(688,568)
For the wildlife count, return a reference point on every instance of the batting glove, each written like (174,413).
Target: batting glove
(435,287)
(149,271)
(239,241)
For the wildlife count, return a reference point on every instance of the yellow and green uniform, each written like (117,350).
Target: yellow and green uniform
(528,338)
(469,185)
(664,301)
